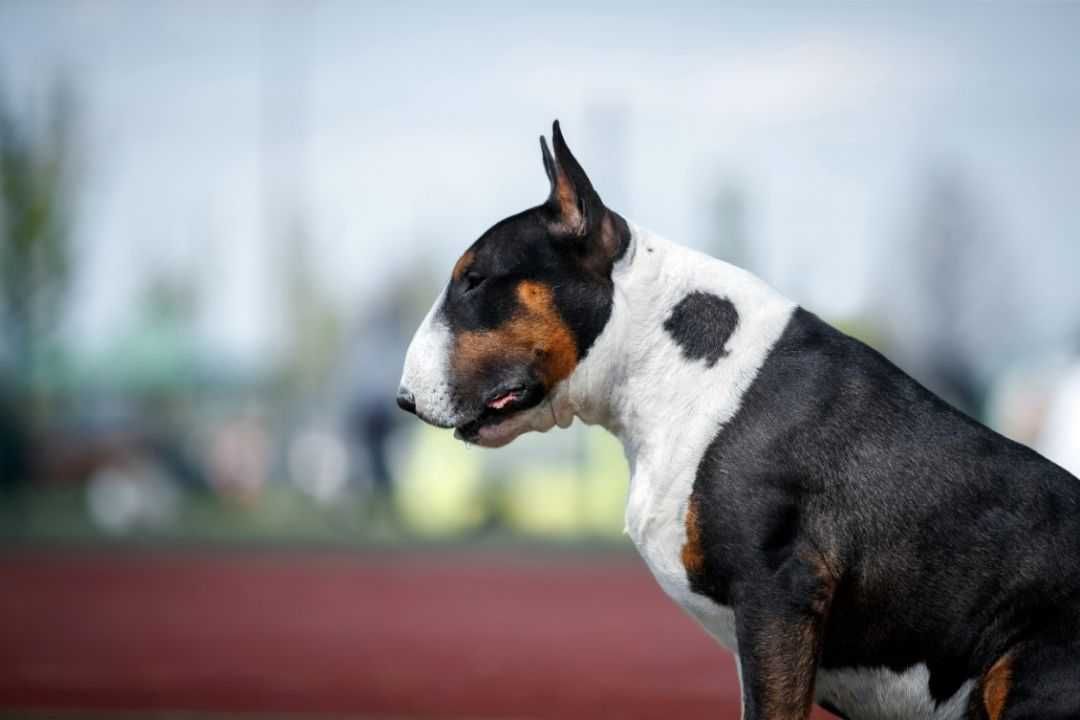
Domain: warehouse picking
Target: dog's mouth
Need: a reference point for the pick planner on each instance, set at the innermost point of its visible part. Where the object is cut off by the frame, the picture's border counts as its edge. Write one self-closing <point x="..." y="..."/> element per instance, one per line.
<point x="500" y="406"/>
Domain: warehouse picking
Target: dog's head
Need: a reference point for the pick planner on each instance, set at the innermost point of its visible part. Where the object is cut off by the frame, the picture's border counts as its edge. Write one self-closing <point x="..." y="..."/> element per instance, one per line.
<point x="521" y="309"/>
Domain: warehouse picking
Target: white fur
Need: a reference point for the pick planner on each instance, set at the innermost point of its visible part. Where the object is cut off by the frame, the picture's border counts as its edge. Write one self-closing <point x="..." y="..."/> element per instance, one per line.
<point x="666" y="408"/>
<point x="881" y="694"/>
<point x="427" y="369"/>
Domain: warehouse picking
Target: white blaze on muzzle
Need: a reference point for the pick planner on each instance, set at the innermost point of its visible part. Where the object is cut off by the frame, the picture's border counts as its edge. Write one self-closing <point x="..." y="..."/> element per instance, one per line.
<point x="426" y="376"/>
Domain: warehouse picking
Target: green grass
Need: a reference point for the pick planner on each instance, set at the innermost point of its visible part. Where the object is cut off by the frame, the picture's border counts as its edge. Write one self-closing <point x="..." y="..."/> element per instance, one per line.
<point x="60" y="515"/>
<point x="282" y="519"/>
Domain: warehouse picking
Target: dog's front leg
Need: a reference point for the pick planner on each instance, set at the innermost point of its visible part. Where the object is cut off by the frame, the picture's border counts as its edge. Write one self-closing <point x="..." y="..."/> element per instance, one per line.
<point x="780" y="620"/>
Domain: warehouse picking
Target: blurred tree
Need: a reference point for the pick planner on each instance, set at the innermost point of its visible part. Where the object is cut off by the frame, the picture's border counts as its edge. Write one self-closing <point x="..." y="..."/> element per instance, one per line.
<point x="36" y="165"/>
<point x="960" y="291"/>
<point x="315" y="328"/>
<point x="730" y="238"/>
<point x="35" y="210"/>
<point x="951" y="237"/>
<point x="171" y="298"/>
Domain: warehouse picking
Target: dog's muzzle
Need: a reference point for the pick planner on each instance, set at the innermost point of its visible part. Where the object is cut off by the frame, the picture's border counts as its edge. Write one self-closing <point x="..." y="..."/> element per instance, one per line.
<point x="406" y="401"/>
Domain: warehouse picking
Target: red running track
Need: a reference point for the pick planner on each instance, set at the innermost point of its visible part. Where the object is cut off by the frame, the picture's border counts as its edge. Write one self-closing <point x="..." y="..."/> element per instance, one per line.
<point x="421" y="635"/>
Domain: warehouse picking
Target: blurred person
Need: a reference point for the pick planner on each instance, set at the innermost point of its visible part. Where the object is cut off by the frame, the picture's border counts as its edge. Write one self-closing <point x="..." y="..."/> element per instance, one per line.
<point x="370" y="425"/>
<point x="1019" y="399"/>
<point x="14" y="445"/>
<point x="371" y="417"/>
<point x="239" y="459"/>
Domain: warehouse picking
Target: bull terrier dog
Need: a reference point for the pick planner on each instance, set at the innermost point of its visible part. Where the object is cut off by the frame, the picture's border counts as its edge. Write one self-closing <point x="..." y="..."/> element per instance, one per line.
<point x="852" y="538"/>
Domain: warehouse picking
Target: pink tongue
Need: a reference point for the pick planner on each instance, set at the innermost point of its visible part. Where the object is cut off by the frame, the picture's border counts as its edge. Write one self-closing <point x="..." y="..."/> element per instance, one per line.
<point x="502" y="401"/>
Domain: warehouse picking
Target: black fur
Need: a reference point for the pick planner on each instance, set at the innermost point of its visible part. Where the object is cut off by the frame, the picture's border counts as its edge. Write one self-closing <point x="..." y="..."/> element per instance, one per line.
<point x="947" y="544"/>
<point x="701" y="324"/>
<point x="850" y="517"/>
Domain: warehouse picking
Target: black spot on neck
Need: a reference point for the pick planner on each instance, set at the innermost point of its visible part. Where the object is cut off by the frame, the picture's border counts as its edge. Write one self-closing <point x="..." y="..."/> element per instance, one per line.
<point x="701" y="324"/>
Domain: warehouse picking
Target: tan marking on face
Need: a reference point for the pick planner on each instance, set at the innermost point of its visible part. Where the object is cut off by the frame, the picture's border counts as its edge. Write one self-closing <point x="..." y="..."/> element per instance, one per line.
<point x="693" y="555"/>
<point x="995" y="686"/>
<point x="535" y="333"/>
<point x="462" y="265"/>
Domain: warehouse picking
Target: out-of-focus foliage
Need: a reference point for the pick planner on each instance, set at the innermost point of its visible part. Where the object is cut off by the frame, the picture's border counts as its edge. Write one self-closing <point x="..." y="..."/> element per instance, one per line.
<point x="36" y="196"/>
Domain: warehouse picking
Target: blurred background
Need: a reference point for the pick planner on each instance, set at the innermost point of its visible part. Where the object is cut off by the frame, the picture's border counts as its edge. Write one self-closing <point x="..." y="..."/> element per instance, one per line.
<point x="221" y="222"/>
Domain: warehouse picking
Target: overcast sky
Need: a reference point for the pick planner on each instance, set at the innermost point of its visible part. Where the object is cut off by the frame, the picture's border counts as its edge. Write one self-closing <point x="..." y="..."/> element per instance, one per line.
<point x="401" y="133"/>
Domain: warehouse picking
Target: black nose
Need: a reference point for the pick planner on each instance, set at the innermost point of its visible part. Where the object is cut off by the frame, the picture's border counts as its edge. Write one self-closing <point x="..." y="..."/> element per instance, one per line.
<point x="406" y="401"/>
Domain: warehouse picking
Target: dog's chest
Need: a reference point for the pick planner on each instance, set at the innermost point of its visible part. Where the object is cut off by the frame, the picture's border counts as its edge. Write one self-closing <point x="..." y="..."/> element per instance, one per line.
<point x="657" y="525"/>
<point x="693" y="386"/>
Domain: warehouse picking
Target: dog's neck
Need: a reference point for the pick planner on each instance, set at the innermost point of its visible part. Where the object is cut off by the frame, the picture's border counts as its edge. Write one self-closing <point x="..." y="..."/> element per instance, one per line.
<point x="637" y="382"/>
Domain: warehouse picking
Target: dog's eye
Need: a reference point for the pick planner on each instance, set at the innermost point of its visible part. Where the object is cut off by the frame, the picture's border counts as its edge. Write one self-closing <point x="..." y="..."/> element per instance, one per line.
<point x="473" y="281"/>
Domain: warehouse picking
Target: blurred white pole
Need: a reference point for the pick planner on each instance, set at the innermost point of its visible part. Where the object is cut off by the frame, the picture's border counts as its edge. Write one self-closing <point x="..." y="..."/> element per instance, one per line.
<point x="1060" y="439"/>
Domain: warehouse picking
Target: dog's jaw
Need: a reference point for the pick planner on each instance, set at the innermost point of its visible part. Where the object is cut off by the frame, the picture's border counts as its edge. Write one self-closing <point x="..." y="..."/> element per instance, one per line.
<point x="536" y="419"/>
<point x="557" y="410"/>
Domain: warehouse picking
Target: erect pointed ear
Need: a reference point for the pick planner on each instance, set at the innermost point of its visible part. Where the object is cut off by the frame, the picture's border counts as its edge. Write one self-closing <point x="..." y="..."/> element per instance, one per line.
<point x="549" y="164"/>
<point x="576" y="205"/>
